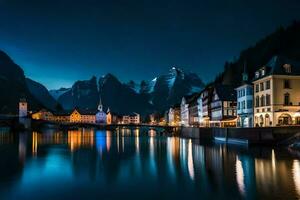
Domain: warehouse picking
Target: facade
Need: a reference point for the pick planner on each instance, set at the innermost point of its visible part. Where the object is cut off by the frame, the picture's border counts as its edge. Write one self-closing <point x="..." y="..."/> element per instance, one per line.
<point x="223" y="107"/>
<point x="200" y="110"/>
<point x="111" y="118"/>
<point x="131" y="119"/>
<point x="23" y="108"/>
<point x="277" y="93"/>
<point x="82" y="116"/>
<point x="174" y="115"/>
<point x="184" y="111"/>
<point x="206" y="98"/>
<point x="43" y="115"/>
<point x="245" y="103"/>
<point x="193" y="110"/>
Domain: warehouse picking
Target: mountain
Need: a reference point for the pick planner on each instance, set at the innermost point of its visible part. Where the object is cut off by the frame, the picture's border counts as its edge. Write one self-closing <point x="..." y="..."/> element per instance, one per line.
<point x="122" y="98"/>
<point x="13" y="87"/>
<point x="143" y="98"/>
<point x="57" y="93"/>
<point x="283" y="42"/>
<point x="41" y="94"/>
<point x="168" y="89"/>
<point x="83" y="94"/>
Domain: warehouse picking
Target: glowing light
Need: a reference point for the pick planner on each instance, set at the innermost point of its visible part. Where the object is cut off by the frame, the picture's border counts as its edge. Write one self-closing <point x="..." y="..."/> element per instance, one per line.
<point x="34" y="143"/>
<point x="190" y="160"/>
<point x="296" y="175"/>
<point x="240" y="176"/>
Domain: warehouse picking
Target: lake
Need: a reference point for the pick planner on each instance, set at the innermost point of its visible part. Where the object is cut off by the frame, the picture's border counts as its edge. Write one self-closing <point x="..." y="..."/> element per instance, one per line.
<point x="136" y="164"/>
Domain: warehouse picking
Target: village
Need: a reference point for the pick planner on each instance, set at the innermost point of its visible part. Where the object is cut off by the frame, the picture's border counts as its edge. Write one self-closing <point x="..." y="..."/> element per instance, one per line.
<point x="272" y="98"/>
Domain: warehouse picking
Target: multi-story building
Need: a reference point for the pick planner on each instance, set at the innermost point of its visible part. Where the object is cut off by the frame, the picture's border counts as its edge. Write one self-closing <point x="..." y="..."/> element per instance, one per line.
<point x="174" y="115"/>
<point x="43" y="114"/>
<point x="206" y="98"/>
<point x="245" y="102"/>
<point x="193" y="110"/>
<point x="111" y="117"/>
<point x="133" y="118"/>
<point x="83" y="116"/>
<point x="223" y="106"/>
<point x="184" y="111"/>
<point x="277" y="93"/>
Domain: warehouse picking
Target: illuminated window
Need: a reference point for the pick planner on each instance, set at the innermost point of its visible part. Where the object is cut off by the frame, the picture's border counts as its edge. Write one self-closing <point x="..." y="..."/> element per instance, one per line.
<point x="287" y="68"/>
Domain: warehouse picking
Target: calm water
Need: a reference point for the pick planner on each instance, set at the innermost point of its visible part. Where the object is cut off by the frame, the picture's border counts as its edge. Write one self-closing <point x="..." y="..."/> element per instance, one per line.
<point x="87" y="164"/>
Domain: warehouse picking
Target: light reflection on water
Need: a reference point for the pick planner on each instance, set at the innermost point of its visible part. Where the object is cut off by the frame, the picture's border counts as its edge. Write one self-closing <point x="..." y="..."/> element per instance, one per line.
<point x="134" y="163"/>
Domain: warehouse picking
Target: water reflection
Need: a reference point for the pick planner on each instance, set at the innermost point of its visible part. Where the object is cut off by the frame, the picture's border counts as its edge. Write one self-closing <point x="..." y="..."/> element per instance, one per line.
<point x="94" y="162"/>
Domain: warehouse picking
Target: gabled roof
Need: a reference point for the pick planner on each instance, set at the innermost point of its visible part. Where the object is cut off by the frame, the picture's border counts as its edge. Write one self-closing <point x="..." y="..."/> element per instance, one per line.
<point x="86" y="111"/>
<point x="225" y="92"/>
<point x="275" y="67"/>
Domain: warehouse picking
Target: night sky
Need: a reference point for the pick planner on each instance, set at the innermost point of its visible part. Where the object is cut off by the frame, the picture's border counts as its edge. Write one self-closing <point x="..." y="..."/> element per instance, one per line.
<point x="57" y="42"/>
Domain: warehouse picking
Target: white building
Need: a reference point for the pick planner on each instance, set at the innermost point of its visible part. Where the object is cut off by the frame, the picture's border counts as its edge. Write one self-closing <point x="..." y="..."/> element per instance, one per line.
<point x="277" y="93"/>
<point x="200" y="110"/>
<point x="131" y="119"/>
<point x="184" y="111"/>
<point x="245" y="103"/>
<point x="23" y="108"/>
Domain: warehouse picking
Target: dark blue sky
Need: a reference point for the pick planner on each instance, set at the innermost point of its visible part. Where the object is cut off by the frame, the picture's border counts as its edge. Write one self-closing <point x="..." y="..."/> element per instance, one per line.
<point x="57" y="42"/>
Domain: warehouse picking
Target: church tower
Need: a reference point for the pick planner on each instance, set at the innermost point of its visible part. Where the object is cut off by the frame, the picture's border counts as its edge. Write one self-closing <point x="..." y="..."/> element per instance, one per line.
<point x="23" y="108"/>
<point x="245" y="74"/>
<point x="100" y="106"/>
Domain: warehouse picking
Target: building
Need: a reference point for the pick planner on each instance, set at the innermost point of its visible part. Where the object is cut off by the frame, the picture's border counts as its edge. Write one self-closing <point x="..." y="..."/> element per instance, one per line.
<point x="83" y="116"/>
<point x="101" y="115"/>
<point x="277" y="93"/>
<point x="174" y="115"/>
<point x="206" y="98"/>
<point x="23" y="108"/>
<point x="43" y="114"/>
<point x="133" y="118"/>
<point x="184" y="111"/>
<point x="223" y="106"/>
<point x="193" y="110"/>
<point x="112" y="118"/>
<point x="245" y="102"/>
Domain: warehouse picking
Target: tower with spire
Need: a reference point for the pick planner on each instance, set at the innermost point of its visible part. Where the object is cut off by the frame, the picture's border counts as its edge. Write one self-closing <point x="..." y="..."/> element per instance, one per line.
<point x="245" y="101"/>
<point x="100" y="115"/>
<point x="100" y="106"/>
<point x="245" y="73"/>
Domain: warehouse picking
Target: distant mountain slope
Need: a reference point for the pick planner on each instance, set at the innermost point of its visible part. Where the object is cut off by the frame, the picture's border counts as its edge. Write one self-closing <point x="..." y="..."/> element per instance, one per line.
<point x="13" y="86"/>
<point x="168" y="89"/>
<point x="57" y="93"/>
<point x="83" y="94"/>
<point x="144" y="98"/>
<point x="41" y="94"/>
<point x="284" y="42"/>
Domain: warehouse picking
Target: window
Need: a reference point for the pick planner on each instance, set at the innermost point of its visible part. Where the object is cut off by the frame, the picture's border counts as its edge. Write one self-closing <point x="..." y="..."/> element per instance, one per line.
<point x="286" y="99"/>
<point x="268" y="84"/>
<point x="287" y="68"/>
<point x="256" y="74"/>
<point x="249" y="104"/>
<point x="256" y="88"/>
<point x="249" y="91"/>
<point x="287" y="84"/>
<point x="262" y="100"/>
<point x="239" y="105"/>
<point x="268" y="100"/>
<point x="257" y="101"/>
<point x="243" y="105"/>
<point x="263" y="72"/>
<point x="262" y="87"/>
